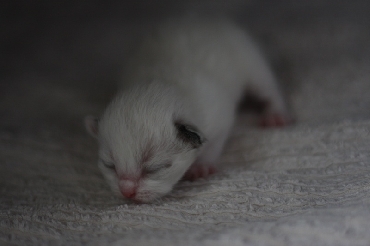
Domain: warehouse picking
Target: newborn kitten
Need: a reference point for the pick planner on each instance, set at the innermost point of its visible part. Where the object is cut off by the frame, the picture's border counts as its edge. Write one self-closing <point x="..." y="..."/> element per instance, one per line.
<point x="177" y="104"/>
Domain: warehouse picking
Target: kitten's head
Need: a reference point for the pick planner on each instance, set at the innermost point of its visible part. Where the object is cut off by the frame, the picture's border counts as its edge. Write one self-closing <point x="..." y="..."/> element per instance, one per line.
<point x="144" y="148"/>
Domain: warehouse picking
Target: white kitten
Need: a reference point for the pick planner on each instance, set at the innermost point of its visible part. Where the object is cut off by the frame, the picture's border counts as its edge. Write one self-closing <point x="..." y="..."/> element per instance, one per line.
<point x="180" y="91"/>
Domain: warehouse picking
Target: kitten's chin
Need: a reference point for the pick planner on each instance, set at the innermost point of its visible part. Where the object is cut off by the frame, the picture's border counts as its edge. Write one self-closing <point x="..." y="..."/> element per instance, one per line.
<point x="141" y="197"/>
<point x="147" y="193"/>
<point x="147" y="197"/>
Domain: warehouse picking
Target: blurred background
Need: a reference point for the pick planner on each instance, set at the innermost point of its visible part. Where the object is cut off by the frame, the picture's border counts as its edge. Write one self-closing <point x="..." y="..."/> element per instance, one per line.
<point x="64" y="57"/>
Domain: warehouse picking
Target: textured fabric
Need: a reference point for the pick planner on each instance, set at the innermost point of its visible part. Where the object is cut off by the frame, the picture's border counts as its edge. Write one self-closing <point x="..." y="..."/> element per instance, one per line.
<point x="307" y="184"/>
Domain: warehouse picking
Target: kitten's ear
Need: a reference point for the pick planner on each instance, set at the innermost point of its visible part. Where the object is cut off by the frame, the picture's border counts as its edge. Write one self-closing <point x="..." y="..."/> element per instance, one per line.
<point x="189" y="134"/>
<point x="91" y="124"/>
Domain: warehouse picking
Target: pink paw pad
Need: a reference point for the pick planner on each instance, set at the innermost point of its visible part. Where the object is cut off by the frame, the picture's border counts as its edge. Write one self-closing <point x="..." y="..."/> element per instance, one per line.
<point x="199" y="171"/>
<point x="274" y="120"/>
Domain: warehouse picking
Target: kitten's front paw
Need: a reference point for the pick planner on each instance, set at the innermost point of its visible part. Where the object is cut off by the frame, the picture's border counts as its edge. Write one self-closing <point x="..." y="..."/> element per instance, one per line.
<point x="197" y="171"/>
<point x="275" y="120"/>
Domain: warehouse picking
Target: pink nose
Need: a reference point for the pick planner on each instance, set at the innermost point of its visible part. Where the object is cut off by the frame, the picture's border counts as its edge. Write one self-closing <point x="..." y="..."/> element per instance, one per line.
<point x="128" y="188"/>
<point x="128" y="193"/>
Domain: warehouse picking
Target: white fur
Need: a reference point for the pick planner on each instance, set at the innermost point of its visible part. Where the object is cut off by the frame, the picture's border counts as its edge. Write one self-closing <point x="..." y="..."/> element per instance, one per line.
<point x="187" y="70"/>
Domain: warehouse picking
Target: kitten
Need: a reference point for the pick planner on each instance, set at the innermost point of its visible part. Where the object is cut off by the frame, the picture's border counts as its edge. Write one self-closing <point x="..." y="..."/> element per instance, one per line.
<point x="177" y="105"/>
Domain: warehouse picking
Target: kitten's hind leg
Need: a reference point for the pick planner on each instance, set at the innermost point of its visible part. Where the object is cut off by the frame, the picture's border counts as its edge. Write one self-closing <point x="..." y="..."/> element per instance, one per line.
<point x="263" y="95"/>
<point x="268" y="114"/>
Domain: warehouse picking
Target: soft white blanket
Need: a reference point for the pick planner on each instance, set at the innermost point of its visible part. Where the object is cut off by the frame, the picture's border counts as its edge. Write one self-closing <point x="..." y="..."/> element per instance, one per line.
<point x="307" y="184"/>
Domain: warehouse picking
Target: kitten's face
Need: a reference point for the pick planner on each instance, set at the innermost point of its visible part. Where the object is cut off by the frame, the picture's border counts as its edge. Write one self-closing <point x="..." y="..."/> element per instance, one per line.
<point x="147" y="164"/>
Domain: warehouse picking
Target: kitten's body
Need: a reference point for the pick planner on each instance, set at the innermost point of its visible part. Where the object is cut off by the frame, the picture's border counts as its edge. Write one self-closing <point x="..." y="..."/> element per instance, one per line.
<point x="178" y="101"/>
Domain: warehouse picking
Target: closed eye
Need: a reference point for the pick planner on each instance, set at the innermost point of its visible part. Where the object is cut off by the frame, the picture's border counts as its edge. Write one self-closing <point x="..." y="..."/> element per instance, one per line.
<point x="108" y="164"/>
<point x="156" y="168"/>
